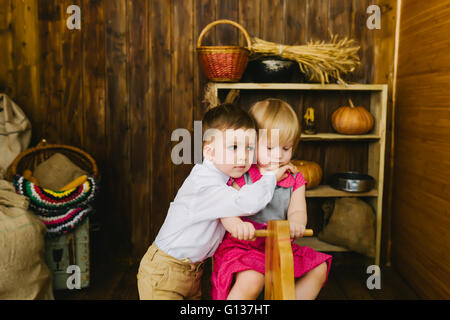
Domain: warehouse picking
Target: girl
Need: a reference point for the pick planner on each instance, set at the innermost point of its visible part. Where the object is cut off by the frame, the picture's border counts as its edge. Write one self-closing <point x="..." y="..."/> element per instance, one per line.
<point x="244" y="261"/>
<point x="172" y="267"/>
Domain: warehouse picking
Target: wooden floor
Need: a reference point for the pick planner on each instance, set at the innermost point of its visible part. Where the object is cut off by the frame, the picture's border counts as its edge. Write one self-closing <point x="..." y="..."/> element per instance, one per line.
<point x="346" y="281"/>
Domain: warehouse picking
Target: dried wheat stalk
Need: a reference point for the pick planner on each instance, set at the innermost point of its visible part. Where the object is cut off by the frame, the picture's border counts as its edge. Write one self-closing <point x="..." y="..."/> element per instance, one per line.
<point x="322" y="60"/>
<point x="212" y="100"/>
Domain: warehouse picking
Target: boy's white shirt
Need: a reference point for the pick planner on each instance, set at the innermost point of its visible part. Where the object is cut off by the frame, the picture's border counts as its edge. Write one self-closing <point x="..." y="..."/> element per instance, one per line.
<point x="192" y="228"/>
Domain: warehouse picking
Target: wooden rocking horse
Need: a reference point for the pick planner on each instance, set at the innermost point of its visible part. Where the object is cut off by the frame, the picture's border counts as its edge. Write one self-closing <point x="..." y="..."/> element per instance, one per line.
<point x="279" y="277"/>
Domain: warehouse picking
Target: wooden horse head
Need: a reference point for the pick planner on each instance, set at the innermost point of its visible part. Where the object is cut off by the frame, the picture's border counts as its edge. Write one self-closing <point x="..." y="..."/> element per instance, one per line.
<point x="279" y="277"/>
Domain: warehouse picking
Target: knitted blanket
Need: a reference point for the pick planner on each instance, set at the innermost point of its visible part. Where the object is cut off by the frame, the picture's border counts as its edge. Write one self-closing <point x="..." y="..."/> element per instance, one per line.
<point x="60" y="211"/>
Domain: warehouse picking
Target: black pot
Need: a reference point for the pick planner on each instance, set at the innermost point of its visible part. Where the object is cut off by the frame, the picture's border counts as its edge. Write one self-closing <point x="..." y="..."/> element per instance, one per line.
<point x="271" y="69"/>
<point x="351" y="181"/>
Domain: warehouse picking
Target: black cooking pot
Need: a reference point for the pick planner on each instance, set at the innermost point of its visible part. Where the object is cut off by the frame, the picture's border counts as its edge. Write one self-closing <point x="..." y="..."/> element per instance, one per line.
<point x="271" y="69"/>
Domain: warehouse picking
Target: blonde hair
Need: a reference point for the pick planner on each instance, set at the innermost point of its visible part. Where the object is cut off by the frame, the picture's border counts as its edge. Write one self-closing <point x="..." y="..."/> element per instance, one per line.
<point x="277" y="114"/>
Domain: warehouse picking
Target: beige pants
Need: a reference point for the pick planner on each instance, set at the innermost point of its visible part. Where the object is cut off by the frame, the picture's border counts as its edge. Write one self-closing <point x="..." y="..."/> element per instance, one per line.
<point x="162" y="277"/>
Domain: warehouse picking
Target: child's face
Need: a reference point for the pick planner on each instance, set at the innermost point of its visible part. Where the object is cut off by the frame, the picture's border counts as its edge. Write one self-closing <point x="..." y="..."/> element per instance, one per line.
<point x="272" y="154"/>
<point x="232" y="151"/>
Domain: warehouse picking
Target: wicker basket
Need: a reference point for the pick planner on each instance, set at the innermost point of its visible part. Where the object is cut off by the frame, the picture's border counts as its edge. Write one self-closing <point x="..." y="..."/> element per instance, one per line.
<point x="74" y="247"/>
<point x="32" y="157"/>
<point x="223" y="63"/>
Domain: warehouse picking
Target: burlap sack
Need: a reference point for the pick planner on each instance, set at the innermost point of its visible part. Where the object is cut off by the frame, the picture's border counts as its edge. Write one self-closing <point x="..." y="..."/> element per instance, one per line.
<point x="24" y="274"/>
<point x="351" y="224"/>
<point x="15" y="131"/>
<point x="56" y="172"/>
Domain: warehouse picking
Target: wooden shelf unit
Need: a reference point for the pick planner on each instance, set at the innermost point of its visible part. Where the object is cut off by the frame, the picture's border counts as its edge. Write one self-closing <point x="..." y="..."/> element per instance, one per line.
<point x="301" y="86"/>
<point x="325" y="191"/>
<point x="318" y="245"/>
<point x="337" y="136"/>
<point x="376" y="145"/>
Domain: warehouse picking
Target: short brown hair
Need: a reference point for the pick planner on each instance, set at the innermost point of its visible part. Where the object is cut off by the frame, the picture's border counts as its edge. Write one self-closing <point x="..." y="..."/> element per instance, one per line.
<point x="227" y="116"/>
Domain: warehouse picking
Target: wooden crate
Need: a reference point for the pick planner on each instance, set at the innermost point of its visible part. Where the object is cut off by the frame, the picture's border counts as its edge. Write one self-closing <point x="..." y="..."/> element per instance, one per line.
<point x="66" y="250"/>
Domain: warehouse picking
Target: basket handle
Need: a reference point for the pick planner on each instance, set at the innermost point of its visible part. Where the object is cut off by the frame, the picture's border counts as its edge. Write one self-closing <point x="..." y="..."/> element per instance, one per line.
<point x="42" y="143"/>
<point x="224" y="21"/>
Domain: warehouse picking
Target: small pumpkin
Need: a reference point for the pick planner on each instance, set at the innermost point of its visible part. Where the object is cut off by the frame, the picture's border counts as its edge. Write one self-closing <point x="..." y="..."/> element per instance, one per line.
<point x="352" y="120"/>
<point x="311" y="171"/>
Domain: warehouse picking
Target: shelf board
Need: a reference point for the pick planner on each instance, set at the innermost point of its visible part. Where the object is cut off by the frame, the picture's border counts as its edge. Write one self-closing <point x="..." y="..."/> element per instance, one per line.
<point x="318" y="245"/>
<point x="324" y="191"/>
<point x="337" y="136"/>
<point x="300" y="86"/>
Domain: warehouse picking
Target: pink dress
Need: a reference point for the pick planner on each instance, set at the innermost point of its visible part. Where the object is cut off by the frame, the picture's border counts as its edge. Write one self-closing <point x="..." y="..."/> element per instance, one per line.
<point x="235" y="255"/>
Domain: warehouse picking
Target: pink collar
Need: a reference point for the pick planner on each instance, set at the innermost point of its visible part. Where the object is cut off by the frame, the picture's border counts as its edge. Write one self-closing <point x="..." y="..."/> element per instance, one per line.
<point x="255" y="175"/>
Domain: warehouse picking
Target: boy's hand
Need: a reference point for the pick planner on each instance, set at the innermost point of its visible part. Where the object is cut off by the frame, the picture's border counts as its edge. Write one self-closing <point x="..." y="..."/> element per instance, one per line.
<point x="280" y="172"/>
<point x="238" y="228"/>
<point x="243" y="231"/>
<point x="295" y="169"/>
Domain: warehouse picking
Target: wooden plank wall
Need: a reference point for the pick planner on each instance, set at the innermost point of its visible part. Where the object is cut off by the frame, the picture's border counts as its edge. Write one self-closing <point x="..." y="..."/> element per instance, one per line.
<point x="421" y="198"/>
<point x="120" y="85"/>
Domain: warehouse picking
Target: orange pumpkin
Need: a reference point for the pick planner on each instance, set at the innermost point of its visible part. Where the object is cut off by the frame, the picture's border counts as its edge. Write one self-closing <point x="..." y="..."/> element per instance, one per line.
<point x="352" y="120"/>
<point x="310" y="170"/>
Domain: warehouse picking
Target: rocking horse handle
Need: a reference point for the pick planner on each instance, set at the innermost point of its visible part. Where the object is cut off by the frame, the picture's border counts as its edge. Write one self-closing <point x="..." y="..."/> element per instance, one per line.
<point x="265" y="233"/>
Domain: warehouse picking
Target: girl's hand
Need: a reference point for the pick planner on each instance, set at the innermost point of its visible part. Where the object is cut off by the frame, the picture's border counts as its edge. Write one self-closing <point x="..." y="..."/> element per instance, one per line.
<point x="297" y="229"/>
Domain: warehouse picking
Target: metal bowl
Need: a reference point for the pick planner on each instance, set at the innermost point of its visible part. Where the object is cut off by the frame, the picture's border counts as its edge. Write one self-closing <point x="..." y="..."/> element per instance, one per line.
<point x="352" y="181"/>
